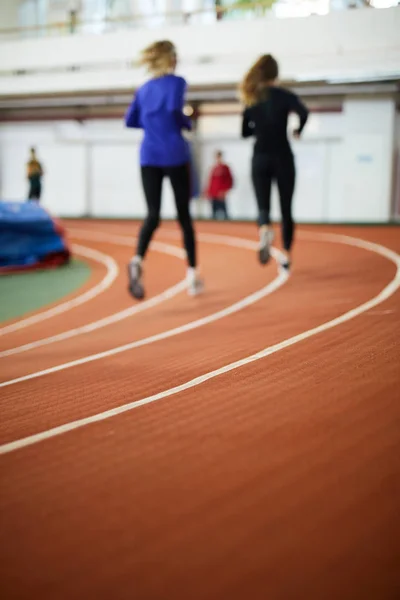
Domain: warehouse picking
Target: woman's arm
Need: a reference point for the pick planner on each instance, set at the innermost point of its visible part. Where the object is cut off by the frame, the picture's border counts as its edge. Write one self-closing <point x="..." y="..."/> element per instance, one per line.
<point x="296" y="106"/>
<point x="177" y="102"/>
<point x="132" y="116"/>
<point x="229" y="178"/>
<point x="247" y="125"/>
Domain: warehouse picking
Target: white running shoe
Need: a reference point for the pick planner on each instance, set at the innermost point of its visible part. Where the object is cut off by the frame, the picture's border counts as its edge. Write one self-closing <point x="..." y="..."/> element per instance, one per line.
<point x="196" y="287"/>
<point x="194" y="283"/>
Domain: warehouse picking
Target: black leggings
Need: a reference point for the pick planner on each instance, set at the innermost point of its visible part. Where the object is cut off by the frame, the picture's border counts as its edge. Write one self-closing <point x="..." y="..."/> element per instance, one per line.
<point x="264" y="170"/>
<point x="35" y="190"/>
<point x="219" y="206"/>
<point x="152" y="178"/>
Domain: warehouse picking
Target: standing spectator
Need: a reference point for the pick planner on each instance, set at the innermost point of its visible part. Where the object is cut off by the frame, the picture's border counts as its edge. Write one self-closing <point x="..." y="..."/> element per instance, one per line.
<point x="219" y="11"/>
<point x="73" y="11"/>
<point x="34" y="173"/>
<point x="219" y="183"/>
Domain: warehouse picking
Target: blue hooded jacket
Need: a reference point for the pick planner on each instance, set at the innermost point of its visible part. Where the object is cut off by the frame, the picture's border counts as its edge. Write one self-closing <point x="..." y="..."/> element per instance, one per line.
<point x="158" y="109"/>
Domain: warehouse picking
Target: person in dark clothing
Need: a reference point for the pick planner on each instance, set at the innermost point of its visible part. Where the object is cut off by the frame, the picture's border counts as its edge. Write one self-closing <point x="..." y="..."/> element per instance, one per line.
<point x="158" y="109"/>
<point x="34" y="173"/>
<point x="266" y="117"/>
<point x="219" y="11"/>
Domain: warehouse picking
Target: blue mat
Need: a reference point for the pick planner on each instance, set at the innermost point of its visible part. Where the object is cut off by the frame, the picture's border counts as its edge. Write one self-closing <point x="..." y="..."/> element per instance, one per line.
<point x="30" y="237"/>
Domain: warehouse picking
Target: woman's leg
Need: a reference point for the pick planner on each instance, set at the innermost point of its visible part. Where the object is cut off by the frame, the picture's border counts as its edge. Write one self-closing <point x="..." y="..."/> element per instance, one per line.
<point x="180" y="182"/>
<point x="261" y="174"/>
<point x="286" y="176"/>
<point x="152" y="178"/>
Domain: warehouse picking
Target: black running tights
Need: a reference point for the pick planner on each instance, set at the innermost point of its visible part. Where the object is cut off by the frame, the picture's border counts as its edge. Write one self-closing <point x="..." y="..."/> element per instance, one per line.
<point x="266" y="169"/>
<point x="152" y="178"/>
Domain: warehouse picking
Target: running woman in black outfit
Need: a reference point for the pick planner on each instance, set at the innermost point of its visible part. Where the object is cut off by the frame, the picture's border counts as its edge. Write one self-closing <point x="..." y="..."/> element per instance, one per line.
<point x="266" y="118"/>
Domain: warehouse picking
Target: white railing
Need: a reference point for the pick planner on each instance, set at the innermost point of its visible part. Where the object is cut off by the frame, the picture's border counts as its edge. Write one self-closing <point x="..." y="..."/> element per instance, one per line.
<point x="73" y="23"/>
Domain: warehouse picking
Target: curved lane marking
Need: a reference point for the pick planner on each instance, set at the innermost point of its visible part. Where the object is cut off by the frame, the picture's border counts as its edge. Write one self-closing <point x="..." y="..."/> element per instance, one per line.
<point x="104" y="284"/>
<point x="386" y="293"/>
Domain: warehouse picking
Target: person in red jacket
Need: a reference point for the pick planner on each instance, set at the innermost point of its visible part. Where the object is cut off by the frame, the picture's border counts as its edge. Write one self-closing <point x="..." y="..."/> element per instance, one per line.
<point x="219" y="183"/>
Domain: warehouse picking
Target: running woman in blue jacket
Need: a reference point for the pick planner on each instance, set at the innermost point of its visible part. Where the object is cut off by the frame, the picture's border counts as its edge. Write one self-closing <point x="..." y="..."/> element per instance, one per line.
<point x="157" y="108"/>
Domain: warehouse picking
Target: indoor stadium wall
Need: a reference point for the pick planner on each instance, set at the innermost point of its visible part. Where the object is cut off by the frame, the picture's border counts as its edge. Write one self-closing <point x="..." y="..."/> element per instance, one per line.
<point x="345" y="168"/>
<point x="346" y="159"/>
<point x="340" y="45"/>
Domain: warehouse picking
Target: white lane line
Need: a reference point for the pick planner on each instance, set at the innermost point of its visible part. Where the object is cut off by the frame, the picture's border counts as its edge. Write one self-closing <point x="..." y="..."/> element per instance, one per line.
<point x="388" y="291"/>
<point x="279" y="280"/>
<point x="88" y="234"/>
<point x="115" y="317"/>
<point x="124" y="240"/>
<point x="110" y="276"/>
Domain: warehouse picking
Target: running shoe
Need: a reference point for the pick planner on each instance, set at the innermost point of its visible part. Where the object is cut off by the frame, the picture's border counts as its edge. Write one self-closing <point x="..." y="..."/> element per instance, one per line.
<point x="264" y="252"/>
<point x="195" y="286"/>
<point x="135" y="280"/>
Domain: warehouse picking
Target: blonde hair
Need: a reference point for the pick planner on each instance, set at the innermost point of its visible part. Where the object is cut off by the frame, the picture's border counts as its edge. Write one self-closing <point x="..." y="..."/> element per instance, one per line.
<point x="264" y="71"/>
<point x="159" y="58"/>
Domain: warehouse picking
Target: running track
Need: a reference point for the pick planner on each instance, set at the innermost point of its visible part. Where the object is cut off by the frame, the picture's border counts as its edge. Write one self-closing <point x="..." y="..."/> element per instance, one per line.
<point x="240" y="445"/>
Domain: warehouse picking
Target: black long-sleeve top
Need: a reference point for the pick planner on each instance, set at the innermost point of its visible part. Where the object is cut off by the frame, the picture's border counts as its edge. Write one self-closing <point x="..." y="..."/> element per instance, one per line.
<point x="267" y="121"/>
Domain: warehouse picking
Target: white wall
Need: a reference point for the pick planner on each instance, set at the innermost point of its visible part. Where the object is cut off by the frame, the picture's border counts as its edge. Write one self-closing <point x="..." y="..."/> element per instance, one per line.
<point x="317" y="158"/>
<point x="89" y="169"/>
<point x="64" y="164"/>
<point x="345" y="44"/>
<point x="368" y="152"/>
<point x="396" y="178"/>
<point x="344" y="165"/>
